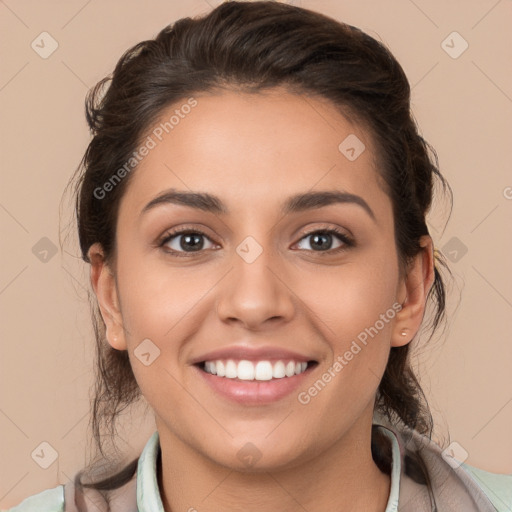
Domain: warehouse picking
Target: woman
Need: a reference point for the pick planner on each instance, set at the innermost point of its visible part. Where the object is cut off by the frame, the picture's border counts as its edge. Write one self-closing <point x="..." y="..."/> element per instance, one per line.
<point x="252" y="205"/>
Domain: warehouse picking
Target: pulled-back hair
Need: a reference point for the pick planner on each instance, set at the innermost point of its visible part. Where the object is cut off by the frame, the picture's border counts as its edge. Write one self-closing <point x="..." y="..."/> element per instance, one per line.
<point x="250" y="47"/>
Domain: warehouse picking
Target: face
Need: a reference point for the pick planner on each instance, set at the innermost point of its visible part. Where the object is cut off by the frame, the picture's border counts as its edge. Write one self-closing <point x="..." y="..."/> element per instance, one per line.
<point x="285" y="261"/>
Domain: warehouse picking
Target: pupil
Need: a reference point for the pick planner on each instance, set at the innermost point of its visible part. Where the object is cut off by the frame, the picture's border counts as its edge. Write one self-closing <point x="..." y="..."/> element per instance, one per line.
<point x="192" y="241"/>
<point x="317" y="240"/>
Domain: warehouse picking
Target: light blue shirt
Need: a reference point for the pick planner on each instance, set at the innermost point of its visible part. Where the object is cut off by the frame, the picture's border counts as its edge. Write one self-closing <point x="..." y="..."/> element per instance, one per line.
<point x="486" y="491"/>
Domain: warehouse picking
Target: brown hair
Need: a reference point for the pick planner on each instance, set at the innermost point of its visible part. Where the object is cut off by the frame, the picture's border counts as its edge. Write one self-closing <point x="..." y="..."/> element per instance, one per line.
<point x="252" y="46"/>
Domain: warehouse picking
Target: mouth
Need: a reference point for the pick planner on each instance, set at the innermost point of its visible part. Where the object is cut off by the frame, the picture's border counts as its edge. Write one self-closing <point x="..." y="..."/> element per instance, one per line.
<point x="254" y="382"/>
<point x="263" y="370"/>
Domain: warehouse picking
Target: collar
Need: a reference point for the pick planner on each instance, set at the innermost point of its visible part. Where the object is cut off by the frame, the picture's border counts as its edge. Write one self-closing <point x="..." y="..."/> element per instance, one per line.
<point x="148" y="493"/>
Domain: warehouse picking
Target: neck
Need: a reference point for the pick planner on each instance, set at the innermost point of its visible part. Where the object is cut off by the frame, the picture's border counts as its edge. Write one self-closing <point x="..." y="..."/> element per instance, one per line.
<point x="344" y="477"/>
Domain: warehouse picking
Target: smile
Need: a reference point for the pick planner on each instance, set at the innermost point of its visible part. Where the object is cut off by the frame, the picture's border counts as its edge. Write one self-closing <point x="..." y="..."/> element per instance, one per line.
<point x="254" y="370"/>
<point x="254" y="383"/>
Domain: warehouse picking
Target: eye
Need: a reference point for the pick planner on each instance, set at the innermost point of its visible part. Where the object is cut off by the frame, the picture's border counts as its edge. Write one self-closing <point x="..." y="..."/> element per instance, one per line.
<point x="322" y="241"/>
<point x="186" y="241"/>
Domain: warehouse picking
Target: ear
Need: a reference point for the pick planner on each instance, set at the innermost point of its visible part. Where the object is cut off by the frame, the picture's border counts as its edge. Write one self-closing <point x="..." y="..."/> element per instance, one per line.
<point x="413" y="292"/>
<point x="104" y="284"/>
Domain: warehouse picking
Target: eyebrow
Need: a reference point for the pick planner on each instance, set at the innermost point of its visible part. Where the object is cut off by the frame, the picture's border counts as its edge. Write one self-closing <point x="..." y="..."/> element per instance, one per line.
<point x="294" y="204"/>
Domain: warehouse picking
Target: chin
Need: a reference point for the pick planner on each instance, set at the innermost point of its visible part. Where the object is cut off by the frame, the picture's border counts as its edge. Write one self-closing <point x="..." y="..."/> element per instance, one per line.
<point x="258" y="455"/>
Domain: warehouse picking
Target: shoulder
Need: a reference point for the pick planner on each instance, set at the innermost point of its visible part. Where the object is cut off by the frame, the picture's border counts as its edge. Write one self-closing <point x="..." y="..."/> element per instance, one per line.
<point x="497" y="487"/>
<point x="50" y="500"/>
<point x="455" y="483"/>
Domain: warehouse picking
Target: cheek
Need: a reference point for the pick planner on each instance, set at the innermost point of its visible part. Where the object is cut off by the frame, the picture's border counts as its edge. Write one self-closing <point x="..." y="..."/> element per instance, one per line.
<point x="163" y="308"/>
<point x="356" y="322"/>
<point x="156" y="298"/>
<point x="355" y="309"/>
<point x="160" y="309"/>
<point x="352" y="298"/>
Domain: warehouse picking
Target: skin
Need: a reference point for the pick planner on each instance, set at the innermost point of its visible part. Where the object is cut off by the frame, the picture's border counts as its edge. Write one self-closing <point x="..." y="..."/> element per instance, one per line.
<point x="253" y="151"/>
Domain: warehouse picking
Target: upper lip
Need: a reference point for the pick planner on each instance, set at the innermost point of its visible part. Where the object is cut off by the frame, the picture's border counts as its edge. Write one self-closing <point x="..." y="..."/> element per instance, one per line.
<point x="240" y="352"/>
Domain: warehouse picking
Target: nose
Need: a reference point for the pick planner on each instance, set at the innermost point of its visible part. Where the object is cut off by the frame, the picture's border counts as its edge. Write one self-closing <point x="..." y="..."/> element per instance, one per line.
<point x="255" y="294"/>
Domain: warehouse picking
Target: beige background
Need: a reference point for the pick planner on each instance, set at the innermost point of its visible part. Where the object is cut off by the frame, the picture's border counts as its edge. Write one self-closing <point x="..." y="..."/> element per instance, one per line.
<point x="463" y="106"/>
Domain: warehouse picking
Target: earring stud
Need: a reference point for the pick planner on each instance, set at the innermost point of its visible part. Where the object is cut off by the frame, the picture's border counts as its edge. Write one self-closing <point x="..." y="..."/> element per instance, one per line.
<point x="404" y="332"/>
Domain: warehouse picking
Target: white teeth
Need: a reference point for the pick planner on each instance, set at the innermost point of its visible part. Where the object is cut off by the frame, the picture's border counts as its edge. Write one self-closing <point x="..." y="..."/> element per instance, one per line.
<point x="210" y="367"/>
<point x="248" y="370"/>
<point x="221" y="370"/>
<point x="231" y="370"/>
<point x="263" y="370"/>
<point x="245" y="370"/>
<point x="278" y="370"/>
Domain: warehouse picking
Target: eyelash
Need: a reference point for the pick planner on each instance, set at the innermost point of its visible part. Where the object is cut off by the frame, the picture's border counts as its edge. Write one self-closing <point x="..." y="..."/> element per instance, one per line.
<point x="347" y="241"/>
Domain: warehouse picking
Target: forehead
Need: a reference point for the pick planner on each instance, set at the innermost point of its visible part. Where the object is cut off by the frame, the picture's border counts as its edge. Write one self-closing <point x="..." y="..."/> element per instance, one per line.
<point x="255" y="147"/>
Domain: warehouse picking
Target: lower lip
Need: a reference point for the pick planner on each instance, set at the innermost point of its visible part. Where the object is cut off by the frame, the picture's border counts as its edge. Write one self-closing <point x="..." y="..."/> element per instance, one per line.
<point x="254" y="392"/>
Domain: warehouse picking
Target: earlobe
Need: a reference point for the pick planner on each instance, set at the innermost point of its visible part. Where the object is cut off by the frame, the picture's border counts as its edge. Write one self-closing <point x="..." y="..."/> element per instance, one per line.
<point x="416" y="287"/>
<point x="104" y="285"/>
